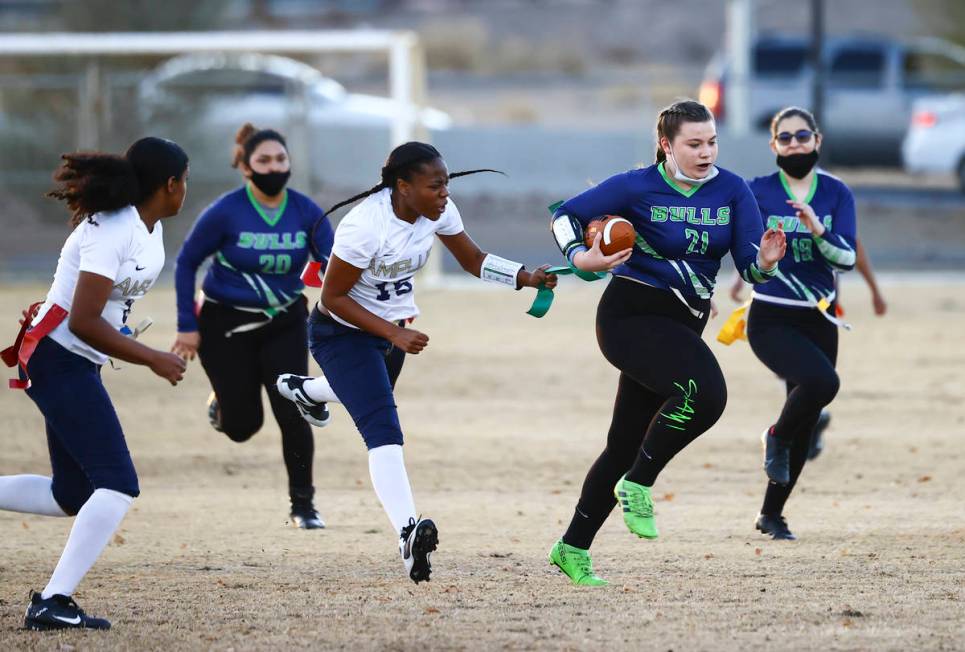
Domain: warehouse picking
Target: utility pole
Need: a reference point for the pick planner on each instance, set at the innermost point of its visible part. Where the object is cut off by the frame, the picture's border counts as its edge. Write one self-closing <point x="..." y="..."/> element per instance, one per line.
<point x="738" y="40"/>
<point x="817" y="60"/>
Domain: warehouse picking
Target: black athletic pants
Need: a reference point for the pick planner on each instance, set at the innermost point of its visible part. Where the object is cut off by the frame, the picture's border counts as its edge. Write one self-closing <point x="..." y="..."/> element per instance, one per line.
<point x="240" y="364"/>
<point x="800" y="346"/>
<point x="671" y="390"/>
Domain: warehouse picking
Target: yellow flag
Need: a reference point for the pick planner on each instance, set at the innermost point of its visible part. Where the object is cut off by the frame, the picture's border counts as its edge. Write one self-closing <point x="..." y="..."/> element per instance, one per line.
<point x="733" y="328"/>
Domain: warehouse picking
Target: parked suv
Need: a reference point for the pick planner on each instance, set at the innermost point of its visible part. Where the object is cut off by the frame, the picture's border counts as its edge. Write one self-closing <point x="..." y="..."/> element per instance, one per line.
<point x="936" y="138"/>
<point x="870" y="83"/>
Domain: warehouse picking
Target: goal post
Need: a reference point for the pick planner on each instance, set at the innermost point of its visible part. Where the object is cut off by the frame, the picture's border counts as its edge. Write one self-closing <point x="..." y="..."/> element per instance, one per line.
<point x="404" y="55"/>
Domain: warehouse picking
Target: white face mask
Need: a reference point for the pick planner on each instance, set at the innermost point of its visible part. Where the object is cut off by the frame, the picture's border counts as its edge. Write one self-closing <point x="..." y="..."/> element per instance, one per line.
<point x="680" y="176"/>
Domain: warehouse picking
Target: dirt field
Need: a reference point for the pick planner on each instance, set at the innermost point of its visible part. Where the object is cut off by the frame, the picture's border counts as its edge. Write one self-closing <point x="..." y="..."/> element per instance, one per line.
<point x="498" y="441"/>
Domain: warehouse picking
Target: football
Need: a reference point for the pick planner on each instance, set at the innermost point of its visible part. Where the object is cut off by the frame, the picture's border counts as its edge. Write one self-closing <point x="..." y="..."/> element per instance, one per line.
<point x="618" y="234"/>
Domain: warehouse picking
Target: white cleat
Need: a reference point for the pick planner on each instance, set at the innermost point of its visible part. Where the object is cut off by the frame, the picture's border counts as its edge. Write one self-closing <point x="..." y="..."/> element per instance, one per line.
<point x="292" y="387"/>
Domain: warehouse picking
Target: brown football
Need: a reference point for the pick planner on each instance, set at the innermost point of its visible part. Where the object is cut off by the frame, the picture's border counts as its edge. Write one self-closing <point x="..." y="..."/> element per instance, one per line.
<point x="618" y="234"/>
<point x="591" y="230"/>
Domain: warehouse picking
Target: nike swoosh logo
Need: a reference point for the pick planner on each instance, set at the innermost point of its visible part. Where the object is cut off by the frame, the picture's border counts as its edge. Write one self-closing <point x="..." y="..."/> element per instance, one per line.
<point x="139" y="269"/>
<point x="70" y="621"/>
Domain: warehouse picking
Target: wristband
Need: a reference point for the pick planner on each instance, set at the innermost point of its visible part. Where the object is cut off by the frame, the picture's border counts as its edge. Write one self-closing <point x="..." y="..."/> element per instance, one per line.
<point x="499" y="270"/>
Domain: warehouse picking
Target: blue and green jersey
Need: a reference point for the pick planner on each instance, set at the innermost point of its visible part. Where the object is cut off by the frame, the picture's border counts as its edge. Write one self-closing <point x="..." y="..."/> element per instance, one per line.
<point x="258" y="252"/>
<point x="681" y="234"/>
<point x="806" y="272"/>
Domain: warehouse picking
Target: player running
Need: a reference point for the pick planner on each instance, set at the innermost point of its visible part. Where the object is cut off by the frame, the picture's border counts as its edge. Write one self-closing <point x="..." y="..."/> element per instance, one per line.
<point x="792" y="327"/>
<point x="109" y="261"/>
<point x="688" y="214"/>
<point x="358" y="333"/>
<point x="251" y="322"/>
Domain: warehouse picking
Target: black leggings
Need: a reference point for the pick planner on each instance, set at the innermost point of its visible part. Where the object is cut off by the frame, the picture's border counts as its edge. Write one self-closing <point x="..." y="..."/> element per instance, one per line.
<point x="671" y="390"/>
<point x="238" y="365"/>
<point x="800" y="346"/>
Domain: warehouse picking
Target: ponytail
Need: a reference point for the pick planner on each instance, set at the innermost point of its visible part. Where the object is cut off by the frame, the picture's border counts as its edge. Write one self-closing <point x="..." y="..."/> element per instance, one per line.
<point x="247" y="140"/>
<point x="402" y="162"/>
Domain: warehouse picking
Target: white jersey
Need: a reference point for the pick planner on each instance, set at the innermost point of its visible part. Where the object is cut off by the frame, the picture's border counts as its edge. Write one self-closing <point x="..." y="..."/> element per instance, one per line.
<point x="390" y="251"/>
<point x="113" y="244"/>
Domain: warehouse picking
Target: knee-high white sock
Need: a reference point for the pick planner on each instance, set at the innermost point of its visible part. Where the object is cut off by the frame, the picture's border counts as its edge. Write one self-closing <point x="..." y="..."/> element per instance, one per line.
<point x="93" y="527"/>
<point x="319" y="389"/>
<point x="391" y="483"/>
<point x="29" y="494"/>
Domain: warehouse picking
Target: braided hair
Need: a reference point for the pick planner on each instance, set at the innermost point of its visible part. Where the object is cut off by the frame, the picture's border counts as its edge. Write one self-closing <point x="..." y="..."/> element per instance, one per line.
<point x="91" y="182"/>
<point x="671" y="118"/>
<point x="402" y="162"/>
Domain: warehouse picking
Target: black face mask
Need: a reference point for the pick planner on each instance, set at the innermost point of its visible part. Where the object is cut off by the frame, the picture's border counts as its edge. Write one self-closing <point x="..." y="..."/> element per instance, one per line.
<point x="271" y="183"/>
<point x="798" y="165"/>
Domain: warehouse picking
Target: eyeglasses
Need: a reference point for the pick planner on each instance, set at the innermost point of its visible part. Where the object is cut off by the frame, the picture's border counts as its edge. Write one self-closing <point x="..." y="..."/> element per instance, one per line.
<point x="802" y="136"/>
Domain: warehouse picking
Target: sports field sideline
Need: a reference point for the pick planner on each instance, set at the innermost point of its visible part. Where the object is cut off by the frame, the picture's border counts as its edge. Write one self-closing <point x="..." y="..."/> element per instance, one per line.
<point x="503" y="414"/>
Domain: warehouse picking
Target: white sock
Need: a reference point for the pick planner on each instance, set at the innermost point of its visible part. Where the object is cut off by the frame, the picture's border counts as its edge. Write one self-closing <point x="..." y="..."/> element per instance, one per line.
<point x="93" y="527"/>
<point x="391" y="482"/>
<point x="29" y="494"/>
<point x="319" y="389"/>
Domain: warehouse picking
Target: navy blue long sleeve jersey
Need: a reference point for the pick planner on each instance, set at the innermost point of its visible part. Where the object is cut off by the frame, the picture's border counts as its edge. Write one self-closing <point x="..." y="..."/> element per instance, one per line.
<point x="259" y="255"/>
<point x="681" y="234"/>
<point x="806" y="273"/>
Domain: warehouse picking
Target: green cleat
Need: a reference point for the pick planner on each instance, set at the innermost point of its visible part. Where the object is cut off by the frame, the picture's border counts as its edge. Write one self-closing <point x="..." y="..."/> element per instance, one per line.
<point x="575" y="564"/>
<point x="637" y="507"/>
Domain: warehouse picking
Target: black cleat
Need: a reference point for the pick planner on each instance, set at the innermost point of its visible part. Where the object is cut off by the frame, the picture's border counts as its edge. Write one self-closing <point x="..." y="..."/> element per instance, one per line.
<point x="59" y="612"/>
<point x="214" y="412"/>
<point x="817" y="435"/>
<point x="777" y="458"/>
<point x="303" y="512"/>
<point x="292" y="387"/>
<point x="776" y="526"/>
<point x="417" y="541"/>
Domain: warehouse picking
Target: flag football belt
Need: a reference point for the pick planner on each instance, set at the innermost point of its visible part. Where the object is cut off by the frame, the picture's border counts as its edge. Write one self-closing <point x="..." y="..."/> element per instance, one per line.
<point x="736" y="325"/>
<point x="27" y="340"/>
<point x="270" y="313"/>
<point x="822" y="305"/>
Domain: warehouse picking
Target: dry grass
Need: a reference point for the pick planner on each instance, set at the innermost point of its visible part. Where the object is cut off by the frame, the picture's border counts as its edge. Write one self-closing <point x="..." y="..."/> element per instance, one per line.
<point x="503" y="414"/>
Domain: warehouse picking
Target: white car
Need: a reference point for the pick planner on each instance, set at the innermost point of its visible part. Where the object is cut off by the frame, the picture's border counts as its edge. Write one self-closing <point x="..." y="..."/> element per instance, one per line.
<point x="935" y="142"/>
<point x="217" y="90"/>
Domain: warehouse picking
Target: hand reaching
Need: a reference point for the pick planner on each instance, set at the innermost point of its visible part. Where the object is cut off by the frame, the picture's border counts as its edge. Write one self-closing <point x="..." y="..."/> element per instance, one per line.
<point x="538" y="277"/>
<point x="807" y="216"/>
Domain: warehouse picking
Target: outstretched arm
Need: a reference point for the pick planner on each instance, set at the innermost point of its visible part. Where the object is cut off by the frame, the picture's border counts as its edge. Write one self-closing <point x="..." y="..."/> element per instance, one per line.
<point x="493" y="268"/>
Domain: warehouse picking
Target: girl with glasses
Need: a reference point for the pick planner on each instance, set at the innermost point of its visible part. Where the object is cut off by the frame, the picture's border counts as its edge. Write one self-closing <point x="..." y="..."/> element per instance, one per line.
<point x="792" y="326"/>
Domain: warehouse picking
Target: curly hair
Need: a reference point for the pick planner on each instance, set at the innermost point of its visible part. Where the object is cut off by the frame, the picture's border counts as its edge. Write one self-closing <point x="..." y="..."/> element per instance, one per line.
<point x="92" y="182"/>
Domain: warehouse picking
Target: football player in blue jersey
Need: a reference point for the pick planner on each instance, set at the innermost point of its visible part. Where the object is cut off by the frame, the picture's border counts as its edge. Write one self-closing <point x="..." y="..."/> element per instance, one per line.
<point x="251" y="323"/>
<point x="792" y="325"/>
<point x="688" y="214"/>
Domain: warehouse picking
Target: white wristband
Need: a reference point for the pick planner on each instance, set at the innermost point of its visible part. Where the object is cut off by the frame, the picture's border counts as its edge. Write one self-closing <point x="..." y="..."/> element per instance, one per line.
<point x="499" y="270"/>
